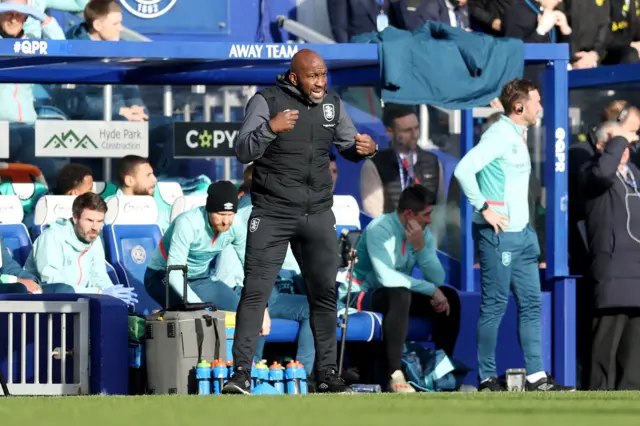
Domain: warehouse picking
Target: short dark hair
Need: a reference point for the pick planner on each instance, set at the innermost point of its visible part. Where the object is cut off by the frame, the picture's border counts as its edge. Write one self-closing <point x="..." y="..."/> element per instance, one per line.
<point x="514" y="92"/>
<point x="127" y="167"/>
<point x="394" y="111"/>
<point x="90" y="201"/>
<point x="416" y="198"/>
<point x="97" y="9"/>
<point x="70" y="177"/>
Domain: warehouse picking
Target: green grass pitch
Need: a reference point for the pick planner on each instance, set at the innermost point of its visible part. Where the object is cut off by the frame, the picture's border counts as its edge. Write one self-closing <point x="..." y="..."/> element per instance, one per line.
<point x="513" y="409"/>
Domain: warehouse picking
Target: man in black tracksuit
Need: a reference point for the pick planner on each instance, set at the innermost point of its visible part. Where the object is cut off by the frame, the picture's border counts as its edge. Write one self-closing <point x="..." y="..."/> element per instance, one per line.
<point x="288" y="131"/>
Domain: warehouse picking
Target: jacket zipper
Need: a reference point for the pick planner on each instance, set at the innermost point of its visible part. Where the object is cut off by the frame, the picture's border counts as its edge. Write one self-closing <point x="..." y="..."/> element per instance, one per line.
<point x="80" y="265"/>
<point x="310" y="164"/>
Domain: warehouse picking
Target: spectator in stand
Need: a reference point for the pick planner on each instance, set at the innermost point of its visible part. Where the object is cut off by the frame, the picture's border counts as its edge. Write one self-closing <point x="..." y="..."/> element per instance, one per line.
<point x="74" y="179"/>
<point x="350" y="18"/>
<point x="408" y="14"/>
<point x="624" y="42"/>
<point x="33" y="27"/>
<point x="17" y="100"/>
<point x="487" y="15"/>
<point x="452" y="12"/>
<point x="388" y="251"/>
<point x="103" y="22"/>
<point x="70" y="251"/>
<point x="535" y="21"/>
<point x="613" y="235"/>
<point x="589" y="21"/>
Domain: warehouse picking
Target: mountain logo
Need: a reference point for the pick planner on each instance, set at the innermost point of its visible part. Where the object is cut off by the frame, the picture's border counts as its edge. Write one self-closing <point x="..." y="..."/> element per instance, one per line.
<point x="70" y="140"/>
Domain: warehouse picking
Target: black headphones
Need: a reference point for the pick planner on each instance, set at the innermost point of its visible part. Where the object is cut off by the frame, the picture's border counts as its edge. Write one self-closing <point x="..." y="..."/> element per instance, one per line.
<point x="519" y="109"/>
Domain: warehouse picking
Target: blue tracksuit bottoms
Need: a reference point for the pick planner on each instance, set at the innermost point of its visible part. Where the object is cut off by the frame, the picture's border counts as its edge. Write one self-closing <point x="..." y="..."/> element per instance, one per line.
<point x="508" y="261"/>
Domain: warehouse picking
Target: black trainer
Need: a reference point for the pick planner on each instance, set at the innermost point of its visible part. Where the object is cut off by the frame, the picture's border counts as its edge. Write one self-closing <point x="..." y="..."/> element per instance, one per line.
<point x="491" y="385"/>
<point x="238" y="384"/>
<point x="332" y="383"/>
<point x="547" y="384"/>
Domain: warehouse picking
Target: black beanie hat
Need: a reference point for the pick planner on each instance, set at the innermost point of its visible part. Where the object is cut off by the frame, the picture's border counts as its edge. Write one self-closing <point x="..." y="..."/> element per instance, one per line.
<point x="222" y="196"/>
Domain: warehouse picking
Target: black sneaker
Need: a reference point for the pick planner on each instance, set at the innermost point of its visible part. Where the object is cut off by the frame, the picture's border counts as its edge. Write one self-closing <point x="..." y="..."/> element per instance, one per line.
<point x="491" y="385"/>
<point x="238" y="384"/>
<point x="332" y="383"/>
<point x="547" y="384"/>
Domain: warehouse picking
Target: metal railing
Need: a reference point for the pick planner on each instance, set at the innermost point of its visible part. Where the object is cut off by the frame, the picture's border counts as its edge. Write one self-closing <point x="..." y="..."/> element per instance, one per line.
<point x="51" y="378"/>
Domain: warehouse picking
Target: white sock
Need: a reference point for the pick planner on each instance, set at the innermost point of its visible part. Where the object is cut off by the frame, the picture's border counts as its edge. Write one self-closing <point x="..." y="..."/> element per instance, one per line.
<point x="397" y="375"/>
<point x="532" y="378"/>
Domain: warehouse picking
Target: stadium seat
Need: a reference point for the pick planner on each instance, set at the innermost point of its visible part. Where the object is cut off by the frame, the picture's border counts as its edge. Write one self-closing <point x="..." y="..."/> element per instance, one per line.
<point x="131" y="234"/>
<point x="49" y="209"/>
<point x="165" y="195"/>
<point x="111" y="271"/>
<point x="347" y="213"/>
<point x="28" y="193"/>
<point x="186" y="202"/>
<point x="13" y="231"/>
<point x="105" y="189"/>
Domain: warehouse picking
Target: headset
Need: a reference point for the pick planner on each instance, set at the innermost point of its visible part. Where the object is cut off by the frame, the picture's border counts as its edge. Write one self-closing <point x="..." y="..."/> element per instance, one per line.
<point x="519" y="109"/>
<point x="624" y="113"/>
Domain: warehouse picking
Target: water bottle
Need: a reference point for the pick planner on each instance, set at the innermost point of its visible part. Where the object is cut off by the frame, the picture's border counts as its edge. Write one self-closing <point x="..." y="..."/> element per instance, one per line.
<point x="254" y="375"/>
<point x="302" y="376"/>
<point x="292" y="379"/>
<point x="276" y="377"/>
<point x="263" y="373"/>
<point x="360" y="388"/>
<point x="220" y="374"/>
<point x="230" y="367"/>
<point x="203" y="376"/>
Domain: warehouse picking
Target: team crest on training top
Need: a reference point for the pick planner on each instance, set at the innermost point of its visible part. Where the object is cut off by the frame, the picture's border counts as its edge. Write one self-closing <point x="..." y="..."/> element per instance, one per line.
<point x="148" y="9"/>
<point x="329" y="112"/>
<point x="253" y="225"/>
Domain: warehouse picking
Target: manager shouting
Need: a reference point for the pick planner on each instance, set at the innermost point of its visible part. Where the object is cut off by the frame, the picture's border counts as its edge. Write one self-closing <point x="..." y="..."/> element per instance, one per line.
<point x="288" y="131"/>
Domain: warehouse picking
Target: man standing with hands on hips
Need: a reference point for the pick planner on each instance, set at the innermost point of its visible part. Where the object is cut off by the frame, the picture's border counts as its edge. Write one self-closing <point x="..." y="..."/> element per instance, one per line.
<point x="288" y="131"/>
<point x="494" y="176"/>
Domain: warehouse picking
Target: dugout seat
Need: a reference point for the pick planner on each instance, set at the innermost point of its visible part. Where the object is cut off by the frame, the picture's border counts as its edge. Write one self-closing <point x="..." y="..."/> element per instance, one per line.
<point x="13" y="231"/>
<point x="347" y="213"/>
<point x="105" y="189"/>
<point x="187" y="202"/>
<point x="165" y="195"/>
<point x="49" y="209"/>
<point x="131" y="234"/>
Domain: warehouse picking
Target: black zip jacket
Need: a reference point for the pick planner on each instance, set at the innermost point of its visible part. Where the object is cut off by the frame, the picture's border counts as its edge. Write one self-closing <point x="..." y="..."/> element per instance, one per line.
<point x="291" y="170"/>
<point x="520" y="21"/>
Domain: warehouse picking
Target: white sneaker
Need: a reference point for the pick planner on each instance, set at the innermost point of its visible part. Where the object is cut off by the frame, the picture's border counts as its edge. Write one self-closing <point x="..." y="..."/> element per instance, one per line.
<point x="398" y="384"/>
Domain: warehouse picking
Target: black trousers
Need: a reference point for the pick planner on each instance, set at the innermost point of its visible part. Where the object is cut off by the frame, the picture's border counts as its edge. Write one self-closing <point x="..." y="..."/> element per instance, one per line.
<point x="314" y="244"/>
<point x="615" y="358"/>
<point x="397" y="304"/>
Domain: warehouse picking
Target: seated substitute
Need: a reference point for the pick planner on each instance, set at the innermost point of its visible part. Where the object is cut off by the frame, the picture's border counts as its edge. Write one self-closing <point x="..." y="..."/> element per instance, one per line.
<point x="388" y="251"/>
<point x="69" y="251"/>
<point x="194" y="239"/>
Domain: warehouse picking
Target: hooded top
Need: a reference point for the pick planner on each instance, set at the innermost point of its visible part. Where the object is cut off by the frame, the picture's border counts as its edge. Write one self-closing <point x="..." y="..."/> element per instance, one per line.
<point x="59" y="256"/>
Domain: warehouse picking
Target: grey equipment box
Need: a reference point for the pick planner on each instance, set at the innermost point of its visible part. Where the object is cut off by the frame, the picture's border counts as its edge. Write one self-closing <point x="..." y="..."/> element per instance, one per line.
<point x="178" y="338"/>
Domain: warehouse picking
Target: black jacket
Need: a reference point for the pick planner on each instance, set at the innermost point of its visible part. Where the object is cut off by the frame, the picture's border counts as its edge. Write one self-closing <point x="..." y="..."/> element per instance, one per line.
<point x="589" y="22"/>
<point x="291" y="170"/>
<point x="484" y="12"/>
<point x="521" y="20"/>
<point x="612" y="210"/>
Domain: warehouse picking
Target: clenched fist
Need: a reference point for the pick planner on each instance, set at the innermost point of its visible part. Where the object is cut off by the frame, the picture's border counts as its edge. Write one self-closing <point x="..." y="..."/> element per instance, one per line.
<point x="365" y="146"/>
<point x="284" y="121"/>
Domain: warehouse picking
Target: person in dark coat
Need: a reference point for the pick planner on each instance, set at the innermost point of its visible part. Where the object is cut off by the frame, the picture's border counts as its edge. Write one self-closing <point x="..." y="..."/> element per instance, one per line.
<point x="612" y="211"/>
